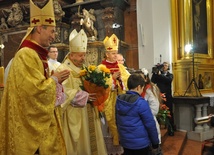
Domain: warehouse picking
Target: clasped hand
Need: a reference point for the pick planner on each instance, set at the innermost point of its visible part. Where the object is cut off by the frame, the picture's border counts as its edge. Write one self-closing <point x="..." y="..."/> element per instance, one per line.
<point x="92" y="97"/>
<point x="116" y="75"/>
<point x="62" y="75"/>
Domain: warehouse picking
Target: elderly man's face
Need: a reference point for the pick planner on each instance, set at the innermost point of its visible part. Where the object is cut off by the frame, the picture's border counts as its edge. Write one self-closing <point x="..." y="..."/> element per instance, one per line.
<point x="78" y="58"/>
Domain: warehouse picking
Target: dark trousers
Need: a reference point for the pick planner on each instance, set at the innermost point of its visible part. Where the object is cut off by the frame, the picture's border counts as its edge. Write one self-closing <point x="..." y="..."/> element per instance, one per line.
<point x="169" y="104"/>
<point x="144" y="151"/>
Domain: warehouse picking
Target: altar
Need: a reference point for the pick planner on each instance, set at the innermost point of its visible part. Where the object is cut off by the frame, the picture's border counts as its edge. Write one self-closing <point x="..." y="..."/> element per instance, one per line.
<point x="186" y="109"/>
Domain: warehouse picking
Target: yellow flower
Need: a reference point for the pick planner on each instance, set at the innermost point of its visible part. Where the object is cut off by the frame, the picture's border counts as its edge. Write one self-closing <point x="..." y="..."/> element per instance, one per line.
<point x="107" y="70"/>
<point x="91" y="67"/>
<point x="96" y="75"/>
<point x="83" y="72"/>
<point x="104" y="69"/>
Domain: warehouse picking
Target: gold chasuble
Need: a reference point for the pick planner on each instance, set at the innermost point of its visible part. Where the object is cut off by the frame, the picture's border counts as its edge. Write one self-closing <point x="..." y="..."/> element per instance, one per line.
<point x="29" y="119"/>
<point x="76" y="126"/>
<point x="117" y="87"/>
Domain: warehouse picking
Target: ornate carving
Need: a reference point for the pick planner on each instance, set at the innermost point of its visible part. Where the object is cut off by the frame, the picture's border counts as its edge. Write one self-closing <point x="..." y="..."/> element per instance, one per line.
<point x="15" y="15"/>
<point x="88" y="23"/>
<point x="3" y="25"/>
<point x="58" y="12"/>
<point x="57" y="36"/>
<point x="65" y="34"/>
<point x="75" y="22"/>
<point x="108" y="19"/>
<point x="62" y="30"/>
<point x="92" y="56"/>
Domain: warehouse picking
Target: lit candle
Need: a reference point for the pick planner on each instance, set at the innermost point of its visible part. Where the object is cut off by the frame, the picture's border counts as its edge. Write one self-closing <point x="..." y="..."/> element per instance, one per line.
<point x="1" y="76"/>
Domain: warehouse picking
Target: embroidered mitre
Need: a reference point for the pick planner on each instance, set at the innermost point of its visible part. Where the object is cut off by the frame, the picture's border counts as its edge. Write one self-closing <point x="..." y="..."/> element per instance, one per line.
<point x="38" y="17"/>
<point x="43" y="16"/>
<point x="78" y="41"/>
<point x="111" y="43"/>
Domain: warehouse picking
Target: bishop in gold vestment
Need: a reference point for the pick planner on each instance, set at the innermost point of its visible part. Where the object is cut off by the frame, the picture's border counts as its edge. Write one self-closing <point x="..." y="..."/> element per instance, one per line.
<point x="118" y="85"/>
<point x="81" y="125"/>
<point x="30" y="112"/>
<point x="29" y="118"/>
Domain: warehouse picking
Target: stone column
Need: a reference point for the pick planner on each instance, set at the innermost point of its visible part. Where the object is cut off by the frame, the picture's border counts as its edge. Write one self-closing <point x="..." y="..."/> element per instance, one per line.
<point x="198" y="127"/>
<point x="204" y="112"/>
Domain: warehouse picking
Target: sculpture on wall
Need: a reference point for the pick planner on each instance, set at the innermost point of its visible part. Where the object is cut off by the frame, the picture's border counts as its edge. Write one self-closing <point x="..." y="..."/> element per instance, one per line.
<point x="14" y="15"/>
<point x="88" y="23"/>
<point x="57" y="36"/>
<point x="65" y="34"/>
<point x="3" y="25"/>
<point x="58" y="12"/>
<point x="108" y="19"/>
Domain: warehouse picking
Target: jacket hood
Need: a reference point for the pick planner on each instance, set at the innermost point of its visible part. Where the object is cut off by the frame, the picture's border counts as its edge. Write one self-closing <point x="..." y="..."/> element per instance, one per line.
<point x="126" y="102"/>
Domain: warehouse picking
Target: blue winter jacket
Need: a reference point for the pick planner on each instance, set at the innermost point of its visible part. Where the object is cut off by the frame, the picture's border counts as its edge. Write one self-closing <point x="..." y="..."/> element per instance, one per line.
<point x="135" y="122"/>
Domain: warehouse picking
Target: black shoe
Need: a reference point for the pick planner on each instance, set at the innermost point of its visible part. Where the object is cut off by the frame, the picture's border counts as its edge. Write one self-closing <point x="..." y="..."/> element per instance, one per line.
<point x="170" y="131"/>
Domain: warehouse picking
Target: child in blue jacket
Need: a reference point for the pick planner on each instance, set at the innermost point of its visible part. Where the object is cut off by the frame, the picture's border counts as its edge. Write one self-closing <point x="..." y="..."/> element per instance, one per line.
<point x="134" y="119"/>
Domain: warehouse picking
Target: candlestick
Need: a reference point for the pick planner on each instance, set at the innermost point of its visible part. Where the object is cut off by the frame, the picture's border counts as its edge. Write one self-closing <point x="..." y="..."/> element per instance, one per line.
<point x="1" y="76"/>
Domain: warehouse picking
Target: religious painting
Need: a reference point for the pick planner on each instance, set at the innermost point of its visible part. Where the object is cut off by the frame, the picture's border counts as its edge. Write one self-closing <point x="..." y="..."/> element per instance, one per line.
<point x="199" y="12"/>
<point x="204" y="80"/>
<point x="208" y="80"/>
<point x="194" y="26"/>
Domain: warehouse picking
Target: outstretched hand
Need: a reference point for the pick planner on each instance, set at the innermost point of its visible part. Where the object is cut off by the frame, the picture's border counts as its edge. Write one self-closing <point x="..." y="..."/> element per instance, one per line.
<point x="62" y="75"/>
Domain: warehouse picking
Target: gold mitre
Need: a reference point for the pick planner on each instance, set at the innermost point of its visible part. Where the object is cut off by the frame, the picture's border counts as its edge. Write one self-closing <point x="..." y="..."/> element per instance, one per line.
<point x="44" y="16"/>
<point x="38" y="17"/>
<point x="111" y="44"/>
<point x="78" y="41"/>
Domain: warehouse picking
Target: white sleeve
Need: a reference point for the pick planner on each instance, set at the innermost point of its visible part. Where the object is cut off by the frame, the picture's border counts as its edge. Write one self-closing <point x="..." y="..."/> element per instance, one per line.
<point x="153" y="101"/>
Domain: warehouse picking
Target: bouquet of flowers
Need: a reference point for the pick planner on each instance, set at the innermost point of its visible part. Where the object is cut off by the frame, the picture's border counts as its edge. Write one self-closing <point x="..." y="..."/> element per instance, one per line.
<point x="94" y="81"/>
<point x="163" y="115"/>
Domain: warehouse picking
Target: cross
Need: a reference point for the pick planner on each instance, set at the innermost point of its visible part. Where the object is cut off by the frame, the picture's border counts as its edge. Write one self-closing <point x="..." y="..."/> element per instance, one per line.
<point x="49" y="20"/>
<point x="114" y="40"/>
<point x="109" y="48"/>
<point x="34" y="21"/>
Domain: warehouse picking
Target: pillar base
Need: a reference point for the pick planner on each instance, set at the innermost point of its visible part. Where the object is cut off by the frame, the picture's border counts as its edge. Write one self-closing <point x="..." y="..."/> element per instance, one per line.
<point x="200" y="136"/>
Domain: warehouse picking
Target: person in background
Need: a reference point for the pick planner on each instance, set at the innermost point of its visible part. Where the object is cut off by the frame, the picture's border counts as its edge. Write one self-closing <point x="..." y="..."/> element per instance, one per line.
<point x="163" y="78"/>
<point x="120" y="59"/>
<point x="52" y="61"/>
<point x="81" y="126"/>
<point x="134" y="119"/>
<point x="118" y="85"/>
<point x="30" y="106"/>
<point x="151" y="94"/>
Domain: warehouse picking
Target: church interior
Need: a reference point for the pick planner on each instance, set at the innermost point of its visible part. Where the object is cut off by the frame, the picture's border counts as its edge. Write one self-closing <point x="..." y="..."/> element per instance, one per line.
<point x="189" y="44"/>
